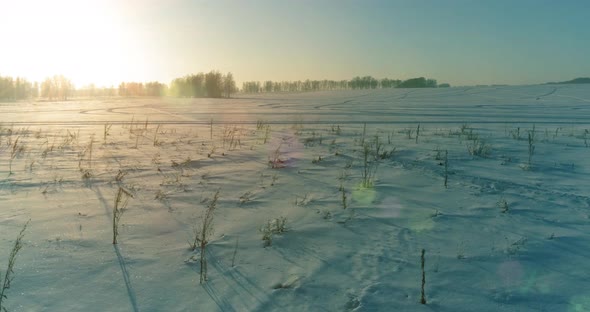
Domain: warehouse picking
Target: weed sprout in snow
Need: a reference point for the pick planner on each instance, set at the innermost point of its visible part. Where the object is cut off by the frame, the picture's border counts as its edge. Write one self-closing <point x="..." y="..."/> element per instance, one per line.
<point x="272" y="227"/>
<point x="6" y="280"/>
<point x="478" y="147"/>
<point x="275" y="160"/>
<point x="369" y="168"/>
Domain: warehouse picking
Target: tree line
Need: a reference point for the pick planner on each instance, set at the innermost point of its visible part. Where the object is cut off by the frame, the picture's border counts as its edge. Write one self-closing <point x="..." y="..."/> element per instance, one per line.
<point x="212" y="84"/>
<point x="366" y="82"/>
<point x="58" y="87"/>
<point x="153" y="88"/>
<point x="17" y="88"/>
<point x="573" y="81"/>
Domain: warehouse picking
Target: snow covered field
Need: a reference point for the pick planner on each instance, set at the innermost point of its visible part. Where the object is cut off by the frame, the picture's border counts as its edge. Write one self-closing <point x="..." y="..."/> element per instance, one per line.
<point x="510" y="232"/>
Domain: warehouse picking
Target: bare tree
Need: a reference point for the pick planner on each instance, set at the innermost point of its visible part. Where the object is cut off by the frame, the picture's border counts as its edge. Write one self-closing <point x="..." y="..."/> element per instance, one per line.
<point x="229" y="85"/>
<point x="56" y="87"/>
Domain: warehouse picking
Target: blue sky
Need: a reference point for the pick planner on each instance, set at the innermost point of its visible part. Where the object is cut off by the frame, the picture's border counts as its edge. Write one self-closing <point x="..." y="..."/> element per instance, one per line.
<point x="457" y="41"/>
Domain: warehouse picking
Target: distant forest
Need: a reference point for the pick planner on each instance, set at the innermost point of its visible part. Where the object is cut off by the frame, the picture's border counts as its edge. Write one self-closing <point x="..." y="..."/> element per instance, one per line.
<point x="576" y="80"/>
<point x="366" y="82"/>
<point x="212" y="84"/>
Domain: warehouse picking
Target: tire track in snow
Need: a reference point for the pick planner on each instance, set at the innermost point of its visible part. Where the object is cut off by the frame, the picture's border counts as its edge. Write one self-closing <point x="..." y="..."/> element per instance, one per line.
<point x="574" y="97"/>
<point x="547" y="94"/>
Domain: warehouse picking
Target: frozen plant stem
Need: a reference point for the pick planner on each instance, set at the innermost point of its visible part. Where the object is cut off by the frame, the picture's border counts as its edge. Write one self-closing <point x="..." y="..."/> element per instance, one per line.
<point x="266" y="134"/>
<point x="364" y="133"/>
<point x="131" y="124"/>
<point x="422" y="294"/>
<point x="155" y="135"/>
<point x="233" y="259"/>
<point x="446" y="167"/>
<point x="107" y="128"/>
<point x="531" y="139"/>
<point x="202" y="233"/>
<point x="90" y="151"/>
<point x="8" y="275"/>
<point x="13" y="153"/>
<point x="211" y="129"/>
<point x="120" y="204"/>
<point x="366" y="166"/>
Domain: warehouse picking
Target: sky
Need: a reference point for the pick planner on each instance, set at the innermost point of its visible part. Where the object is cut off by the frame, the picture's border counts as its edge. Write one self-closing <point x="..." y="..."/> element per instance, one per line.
<point x="460" y="42"/>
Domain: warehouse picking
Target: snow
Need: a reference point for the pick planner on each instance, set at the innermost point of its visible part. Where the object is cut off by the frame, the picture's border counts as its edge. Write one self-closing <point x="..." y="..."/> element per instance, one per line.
<point x="366" y="257"/>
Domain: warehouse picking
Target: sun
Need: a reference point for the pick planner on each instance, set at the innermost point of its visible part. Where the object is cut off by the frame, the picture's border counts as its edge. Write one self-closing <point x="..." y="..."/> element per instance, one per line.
<point x="86" y="41"/>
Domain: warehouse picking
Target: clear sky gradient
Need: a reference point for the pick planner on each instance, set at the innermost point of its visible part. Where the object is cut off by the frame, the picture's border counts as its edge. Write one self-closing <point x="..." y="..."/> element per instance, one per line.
<point x="457" y="41"/>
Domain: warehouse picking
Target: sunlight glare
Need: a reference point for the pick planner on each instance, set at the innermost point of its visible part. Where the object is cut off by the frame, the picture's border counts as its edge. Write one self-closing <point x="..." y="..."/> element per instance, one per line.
<point x="84" y="40"/>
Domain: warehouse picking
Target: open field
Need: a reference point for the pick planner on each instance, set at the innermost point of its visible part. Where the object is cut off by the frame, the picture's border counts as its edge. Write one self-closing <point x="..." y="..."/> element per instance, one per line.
<point x="346" y="188"/>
